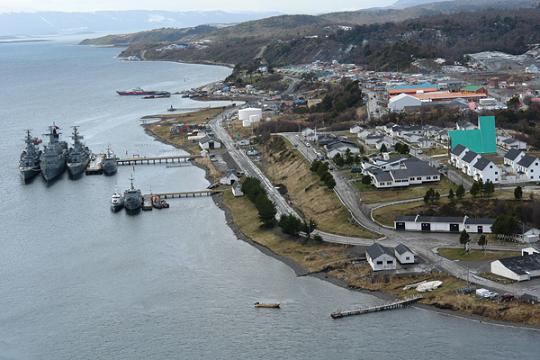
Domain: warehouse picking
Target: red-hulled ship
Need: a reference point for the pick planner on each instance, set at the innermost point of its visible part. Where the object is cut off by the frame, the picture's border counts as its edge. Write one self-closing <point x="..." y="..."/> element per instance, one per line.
<point x="136" y="91"/>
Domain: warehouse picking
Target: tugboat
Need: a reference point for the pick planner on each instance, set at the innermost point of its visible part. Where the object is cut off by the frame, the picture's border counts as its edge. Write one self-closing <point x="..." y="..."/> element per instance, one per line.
<point x="29" y="161"/>
<point x="159" y="203"/>
<point x="53" y="158"/>
<point x="110" y="165"/>
<point x="117" y="202"/>
<point x="78" y="155"/>
<point x="137" y="91"/>
<point x="133" y="199"/>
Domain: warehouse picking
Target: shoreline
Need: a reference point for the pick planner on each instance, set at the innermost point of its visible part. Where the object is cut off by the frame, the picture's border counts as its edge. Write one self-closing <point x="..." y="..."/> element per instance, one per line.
<point x="299" y="270"/>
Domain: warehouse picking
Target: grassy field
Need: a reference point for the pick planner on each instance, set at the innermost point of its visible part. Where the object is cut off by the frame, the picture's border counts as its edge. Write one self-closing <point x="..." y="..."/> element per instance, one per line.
<point x="284" y="165"/>
<point x="435" y="151"/>
<point x="313" y="257"/>
<point x="475" y="255"/>
<point x="370" y="194"/>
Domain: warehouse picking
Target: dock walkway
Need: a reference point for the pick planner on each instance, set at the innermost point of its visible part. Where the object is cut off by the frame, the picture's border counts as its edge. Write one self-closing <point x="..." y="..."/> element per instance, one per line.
<point x="390" y="306"/>
<point x="186" y="194"/>
<point x="152" y="160"/>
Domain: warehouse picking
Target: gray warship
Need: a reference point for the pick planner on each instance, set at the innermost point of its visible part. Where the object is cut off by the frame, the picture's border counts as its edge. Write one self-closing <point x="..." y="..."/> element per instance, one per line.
<point x="53" y="158"/>
<point x="78" y="156"/>
<point x="29" y="161"/>
<point x="133" y="199"/>
<point x="110" y="165"/>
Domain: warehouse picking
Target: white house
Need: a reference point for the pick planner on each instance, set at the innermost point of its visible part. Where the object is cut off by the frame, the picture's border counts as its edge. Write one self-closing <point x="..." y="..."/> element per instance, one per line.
<point x="341" y="147"/>
<point x="529" y="166"/>
<point x="511" y="143"/>
<point x="403" y="254"/>
<point x="208" y="143"/>
<point x="229" y="179"/>
<point x="457" y="153"/>
<point x="443" y="224"/>
<point x="519" y="268"/>
<point x="486" y="170"/>
<point x="402" y="174"/>
<point x="372" y="139"/>
<point x="512" y="157"/>
<point x="400" y="102"/>
<point x="380" y="258"/>
<point x="356" y="129"/>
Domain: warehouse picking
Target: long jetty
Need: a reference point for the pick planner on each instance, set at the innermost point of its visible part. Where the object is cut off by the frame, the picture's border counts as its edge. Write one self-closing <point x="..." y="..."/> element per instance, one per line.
<point x="152" y="160"/>
<point x="390" y="306"/>
<point x="186" y="194"/>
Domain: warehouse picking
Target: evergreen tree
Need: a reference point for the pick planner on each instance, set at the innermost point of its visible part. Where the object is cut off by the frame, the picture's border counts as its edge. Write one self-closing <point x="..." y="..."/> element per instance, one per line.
<point x="451" y="195"/>
<point x="464" y="239"/>
<point x="338" y="159"/>
<point x="475" y="189"/>
<point x="383" y="148"/>
<point x="482" y="241"/>
<point x="460" y="192"/>
<point x="518" y="193"/>
<point x="267" y="210"/>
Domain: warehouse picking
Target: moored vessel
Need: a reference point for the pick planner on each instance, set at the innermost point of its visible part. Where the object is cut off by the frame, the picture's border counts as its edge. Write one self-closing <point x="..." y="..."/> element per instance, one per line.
<point x="29" y="160"/>
<point x="133" y="199"/>
<point x="53" y="157"/>
<point x="110" y="164"/>
<point x="267" y="305"/>
<point x="117" y="202"/>
<point x="78" y="155"/>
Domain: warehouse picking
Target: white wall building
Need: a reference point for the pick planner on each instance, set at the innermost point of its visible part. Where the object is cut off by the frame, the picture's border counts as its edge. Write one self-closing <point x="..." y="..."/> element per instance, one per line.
<point x="249" y="116"/>
<point x="443" y="224"/>
<point x="475" y="165"/>
<point x="400" y="102"/>
<point x="404" y="255"/>
<point x="402" y="174"/>
<point x="519" y="268"/>
<point x="380" y="258"/>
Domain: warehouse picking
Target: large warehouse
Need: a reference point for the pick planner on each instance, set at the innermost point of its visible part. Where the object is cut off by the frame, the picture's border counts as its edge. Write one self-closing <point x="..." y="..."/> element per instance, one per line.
<point x="443" y="224"/>
<point x="482" y="140"/>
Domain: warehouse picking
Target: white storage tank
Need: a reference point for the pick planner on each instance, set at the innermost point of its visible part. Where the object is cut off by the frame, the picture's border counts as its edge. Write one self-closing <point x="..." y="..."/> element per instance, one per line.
<point x="250" y="114"/>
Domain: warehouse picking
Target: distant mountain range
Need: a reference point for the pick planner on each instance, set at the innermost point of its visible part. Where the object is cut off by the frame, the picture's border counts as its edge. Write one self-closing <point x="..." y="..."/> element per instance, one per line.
<point x="57" y="23"/>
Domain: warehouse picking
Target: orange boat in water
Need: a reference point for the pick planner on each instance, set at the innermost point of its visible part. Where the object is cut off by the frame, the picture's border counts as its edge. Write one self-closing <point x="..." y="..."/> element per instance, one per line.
<point x="267" y="306"/>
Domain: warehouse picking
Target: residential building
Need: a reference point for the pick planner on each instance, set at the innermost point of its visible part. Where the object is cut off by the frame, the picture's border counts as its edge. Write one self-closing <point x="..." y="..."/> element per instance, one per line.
<point x="341" y="147"/>
<point x="512" y="157"/>
<point x="529" y="166"/>
<point x="372" y="139"/>
<point x="509" y="143"/>
<point x="356" y="129"/>
<point x="209" y="143"/>
<point x="230" y="178"/>
<point x="405" y="173"/>
<point x="443" y="224"/>
<point x="412" y="89"/>
<point x="404" y="255"/>
<point x="474" y="165"/>
<point x="380" y="258"/>
<point x="518" y="268"/>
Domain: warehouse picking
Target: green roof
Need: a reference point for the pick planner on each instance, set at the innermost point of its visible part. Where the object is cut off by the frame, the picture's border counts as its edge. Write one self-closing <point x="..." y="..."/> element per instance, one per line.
<point x="482" y="140"/>
<point x="472" y="88"/>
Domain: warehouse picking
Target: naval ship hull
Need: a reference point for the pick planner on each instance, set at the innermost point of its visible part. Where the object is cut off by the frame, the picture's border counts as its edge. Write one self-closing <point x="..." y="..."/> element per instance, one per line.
<point x="76" y="169"/>
<point x="109" y="167"/>
<point x="28" y="173"/>
<point x="133" y="205"/>
<point x="51" y="172"/>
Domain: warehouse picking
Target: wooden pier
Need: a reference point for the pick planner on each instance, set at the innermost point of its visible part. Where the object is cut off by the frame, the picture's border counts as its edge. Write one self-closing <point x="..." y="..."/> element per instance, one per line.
<point x="390" y="306"/>
<point x="95" y="167"/>
<point x="186" y="194"/>
<point x="152" y="160"/>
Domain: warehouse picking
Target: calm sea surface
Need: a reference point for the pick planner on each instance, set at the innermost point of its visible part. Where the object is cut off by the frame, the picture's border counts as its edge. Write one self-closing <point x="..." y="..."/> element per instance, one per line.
<point x="77" y="282"/>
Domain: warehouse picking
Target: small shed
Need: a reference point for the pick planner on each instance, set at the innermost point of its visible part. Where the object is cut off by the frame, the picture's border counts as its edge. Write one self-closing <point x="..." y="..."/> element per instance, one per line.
<point x="404" y="255"/>
<point x="230" y="178"/>
<point x="237" y="190"/>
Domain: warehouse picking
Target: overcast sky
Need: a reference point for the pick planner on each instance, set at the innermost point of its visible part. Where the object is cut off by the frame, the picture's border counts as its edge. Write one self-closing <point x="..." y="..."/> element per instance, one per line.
<point x="287" y="6"/>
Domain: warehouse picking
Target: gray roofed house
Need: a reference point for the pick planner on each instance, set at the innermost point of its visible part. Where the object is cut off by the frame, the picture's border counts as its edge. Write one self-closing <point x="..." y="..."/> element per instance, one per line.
<point x="479" y="221"/>
<point x="377" y="250"/>
<point x="440" y="219"/>
<point x="470" y="156"/>
<point x="518" y="268"/>
<point x="512" y="154"/>
<point x="381" y="176"/>
<point x="526" y="161"/>
<point x="402" y="249"/>
<point x="458" y="150"/>
<point x="482" y="163"/>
